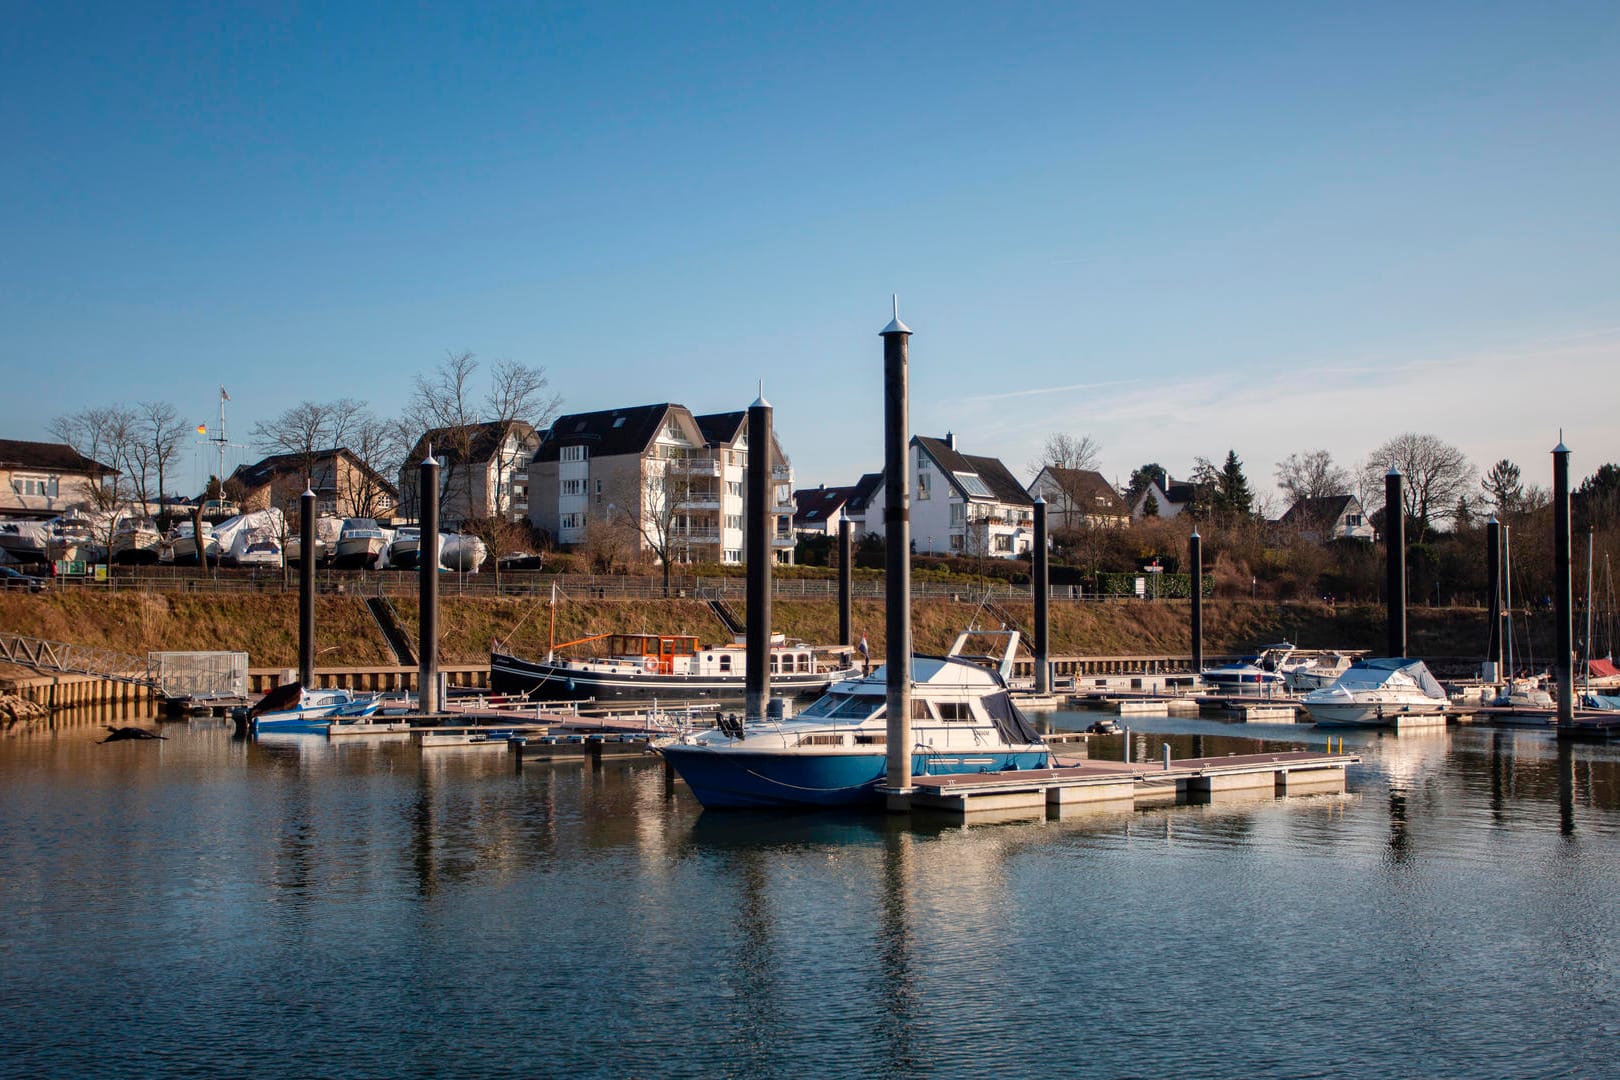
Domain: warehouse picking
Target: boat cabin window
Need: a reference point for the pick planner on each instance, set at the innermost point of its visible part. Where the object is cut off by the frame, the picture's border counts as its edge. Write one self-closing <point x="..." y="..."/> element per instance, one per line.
<point x="804" y="662"/>
<point x="774" y="663"/>
<point x="725" y="661"/>
<point x="919" y="710"/>
<point x="954" y="710"/>
<point x="844" y="707"/>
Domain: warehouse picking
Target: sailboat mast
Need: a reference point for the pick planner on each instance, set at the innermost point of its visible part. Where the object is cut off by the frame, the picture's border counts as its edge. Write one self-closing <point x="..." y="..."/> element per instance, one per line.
<point x="551" y="634"/>
<point x="220" y="474"/>
<point x="1587" y="649"/>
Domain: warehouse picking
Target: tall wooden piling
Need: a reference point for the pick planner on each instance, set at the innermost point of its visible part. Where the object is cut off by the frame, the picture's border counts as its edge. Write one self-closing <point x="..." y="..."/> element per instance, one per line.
<point x="1395" y="560"/>
<point x="1042" y="586"/>
<point x="757" y="550"/>
<point x="1493" y="575"/>
<point x="306" y="587"/>
<point x="427" y="587"/>
<point x="1563" y="598"/>
<point x="897" y="550"/>
<point x="1195" y="557"/>
<point x="846" y="531"/>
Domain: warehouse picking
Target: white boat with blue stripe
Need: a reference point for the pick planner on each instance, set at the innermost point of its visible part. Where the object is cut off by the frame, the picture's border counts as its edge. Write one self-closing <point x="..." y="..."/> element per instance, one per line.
<point x="293" y="710"/>
<point x="834" y="753"/>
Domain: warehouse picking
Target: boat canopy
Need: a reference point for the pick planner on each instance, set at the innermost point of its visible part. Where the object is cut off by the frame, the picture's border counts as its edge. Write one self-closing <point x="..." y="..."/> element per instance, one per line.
<point x="1377" y="671"/>
<point x="1010" y="721"/>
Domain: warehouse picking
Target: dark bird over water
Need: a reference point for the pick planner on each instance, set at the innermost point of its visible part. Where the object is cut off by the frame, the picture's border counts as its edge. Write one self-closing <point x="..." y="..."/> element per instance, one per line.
<point x="118" y="734"/>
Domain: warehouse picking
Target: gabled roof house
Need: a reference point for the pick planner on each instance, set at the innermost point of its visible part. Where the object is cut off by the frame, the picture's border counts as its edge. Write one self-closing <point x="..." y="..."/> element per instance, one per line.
<point x="961" y="504"/>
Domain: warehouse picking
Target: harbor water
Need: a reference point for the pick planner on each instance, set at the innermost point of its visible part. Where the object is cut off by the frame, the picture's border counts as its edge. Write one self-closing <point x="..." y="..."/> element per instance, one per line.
<point x="298" y="907"/>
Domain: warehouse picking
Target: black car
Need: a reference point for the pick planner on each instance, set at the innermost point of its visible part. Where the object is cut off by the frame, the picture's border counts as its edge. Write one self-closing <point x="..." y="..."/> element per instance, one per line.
<point x="16" y="579"/>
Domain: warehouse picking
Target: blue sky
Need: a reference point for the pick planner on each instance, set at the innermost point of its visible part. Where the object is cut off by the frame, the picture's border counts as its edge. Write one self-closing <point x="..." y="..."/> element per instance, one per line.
<point x="1178" y="228"/>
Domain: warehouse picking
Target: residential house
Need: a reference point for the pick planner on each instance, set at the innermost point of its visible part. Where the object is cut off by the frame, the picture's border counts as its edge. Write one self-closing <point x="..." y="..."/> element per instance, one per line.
<point x="1079" y="499"/>
<point x="961" y="504"/>
<point x="483" y="471"/>
<point x="859" y="508"/>
<point x="1169" y="499"/>
<point x="344" y="486"/>
<point x="668" y="475"/>
<point x="819" y="511"/>
<point x="39" y="481"/>
<point x="1332" y="517"/>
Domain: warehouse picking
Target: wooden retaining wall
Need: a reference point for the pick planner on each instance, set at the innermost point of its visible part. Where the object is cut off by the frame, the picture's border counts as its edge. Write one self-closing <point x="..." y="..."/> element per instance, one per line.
<point x="369" y="678"/>
<point x="75" y="691"/>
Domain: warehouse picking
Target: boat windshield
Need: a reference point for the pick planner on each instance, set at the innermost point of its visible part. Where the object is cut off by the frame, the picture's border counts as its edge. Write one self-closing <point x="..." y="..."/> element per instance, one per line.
<point x="844" y="707"/>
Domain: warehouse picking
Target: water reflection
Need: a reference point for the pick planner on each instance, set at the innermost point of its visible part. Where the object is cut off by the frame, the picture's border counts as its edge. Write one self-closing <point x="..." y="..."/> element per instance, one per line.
<point x="568" y="918"/>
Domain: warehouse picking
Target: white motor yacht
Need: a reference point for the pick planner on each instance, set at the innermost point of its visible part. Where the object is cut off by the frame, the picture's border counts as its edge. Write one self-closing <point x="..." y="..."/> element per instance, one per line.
<point x="1374" y="693"/>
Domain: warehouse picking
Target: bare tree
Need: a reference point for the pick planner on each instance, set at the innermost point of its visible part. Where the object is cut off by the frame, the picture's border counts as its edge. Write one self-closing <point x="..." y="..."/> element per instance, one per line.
<point x="443" y="403"/>
<point x="658" y="509"/>
<point x="1311" y="475"/>
<point x="376" y="445"/>
<point x="161" y="434"/>
<point x="106" y="436"/>
<point x="1436" y="474"/>
<point x="1064" y="451"/>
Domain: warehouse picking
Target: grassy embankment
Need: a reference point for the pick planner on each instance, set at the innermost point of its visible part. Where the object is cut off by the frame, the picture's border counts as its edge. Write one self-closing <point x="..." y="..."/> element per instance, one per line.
<point x="266" y="627"/>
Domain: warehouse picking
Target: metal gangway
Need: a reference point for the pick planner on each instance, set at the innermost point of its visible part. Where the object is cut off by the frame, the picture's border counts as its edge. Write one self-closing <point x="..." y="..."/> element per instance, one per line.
<point x="169" y="674"/>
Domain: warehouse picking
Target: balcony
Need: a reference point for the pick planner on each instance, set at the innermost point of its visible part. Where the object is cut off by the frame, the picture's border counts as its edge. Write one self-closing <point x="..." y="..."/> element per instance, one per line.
<point x="694" y="466"/>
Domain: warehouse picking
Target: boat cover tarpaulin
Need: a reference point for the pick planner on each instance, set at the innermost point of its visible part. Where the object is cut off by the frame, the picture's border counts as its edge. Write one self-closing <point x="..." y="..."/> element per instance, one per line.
<point x="1010" y="721"/>
<point x="1602" y="669"/>
<point x="1416" y="670"/>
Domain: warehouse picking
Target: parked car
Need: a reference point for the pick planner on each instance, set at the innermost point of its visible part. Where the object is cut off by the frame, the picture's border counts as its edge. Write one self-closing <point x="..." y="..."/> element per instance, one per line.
<point x="16" y="579"/>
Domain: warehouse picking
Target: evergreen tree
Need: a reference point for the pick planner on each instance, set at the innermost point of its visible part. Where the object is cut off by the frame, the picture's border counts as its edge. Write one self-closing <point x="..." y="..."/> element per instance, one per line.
<point x="1150" y="509"/>
<point x="1233" y="499"/>
<point x="1151" y="473"/>
<point x="1503" y="487"/>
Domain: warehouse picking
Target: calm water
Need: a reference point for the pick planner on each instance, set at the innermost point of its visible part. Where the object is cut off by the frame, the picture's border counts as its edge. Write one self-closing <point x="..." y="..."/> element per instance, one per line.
<point x="207" y="907"/>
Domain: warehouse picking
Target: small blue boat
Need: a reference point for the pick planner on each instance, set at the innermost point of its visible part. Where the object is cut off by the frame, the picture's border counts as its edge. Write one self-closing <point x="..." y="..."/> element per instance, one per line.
<point x="293" y="710"/>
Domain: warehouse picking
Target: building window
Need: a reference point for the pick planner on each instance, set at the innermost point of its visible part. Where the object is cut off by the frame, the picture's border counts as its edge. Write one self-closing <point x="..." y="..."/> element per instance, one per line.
<point x="733" y="555"/>
<point x="36" y="485"/>
<point x="956" y="515"/>
<point x="1352" y="521"/>
<point x="734" y="488"/>
<point x="734" y="521"/>
<point x="573" y="487"/>
<point x="573" y="453"/>
<point x="1003" y="542"/>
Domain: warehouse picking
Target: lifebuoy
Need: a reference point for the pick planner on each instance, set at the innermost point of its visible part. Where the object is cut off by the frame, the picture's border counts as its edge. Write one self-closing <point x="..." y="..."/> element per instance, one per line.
<point x="651" y="663"/>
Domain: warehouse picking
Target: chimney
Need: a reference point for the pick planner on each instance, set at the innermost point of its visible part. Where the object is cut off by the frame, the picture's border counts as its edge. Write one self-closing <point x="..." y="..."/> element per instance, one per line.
<point x="950" y="439"/>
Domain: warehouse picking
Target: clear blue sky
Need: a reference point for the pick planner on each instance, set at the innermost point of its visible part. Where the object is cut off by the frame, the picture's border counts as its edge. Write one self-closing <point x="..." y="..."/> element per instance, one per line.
<point x="1178" y="228"/>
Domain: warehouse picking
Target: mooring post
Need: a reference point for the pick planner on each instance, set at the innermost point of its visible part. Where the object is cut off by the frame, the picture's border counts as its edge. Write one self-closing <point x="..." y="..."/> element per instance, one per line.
<point x="846" y="533"/>
<point x="897" y="550"/>
<point x="1563" y="598"/>
<point x="1195" y="555"/>
<point x="757" y="550"/>
<point x="1493" y="575"/>
<point x="1395" y="560"/>
<point x="1043" y="588"/>
<point x="306" y="587"/>
<point x="1127" y="746"/>
<point x="1166" y="756"/>
<point x="427" y="587"/>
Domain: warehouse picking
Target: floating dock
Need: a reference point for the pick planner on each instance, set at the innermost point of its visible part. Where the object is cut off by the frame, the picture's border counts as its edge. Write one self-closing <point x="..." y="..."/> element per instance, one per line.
<point x="1251" y="710"/>
<point x="1126" y="785"/>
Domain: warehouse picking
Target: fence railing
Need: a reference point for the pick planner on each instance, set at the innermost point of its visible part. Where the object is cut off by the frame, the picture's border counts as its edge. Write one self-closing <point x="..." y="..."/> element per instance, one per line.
<point x="364" y="583"/>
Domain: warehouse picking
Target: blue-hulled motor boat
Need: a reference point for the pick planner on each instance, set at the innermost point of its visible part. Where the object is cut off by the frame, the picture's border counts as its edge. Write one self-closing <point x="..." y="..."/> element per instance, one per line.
<point x="834" y="753"/>
<point x="294" y="710"/>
